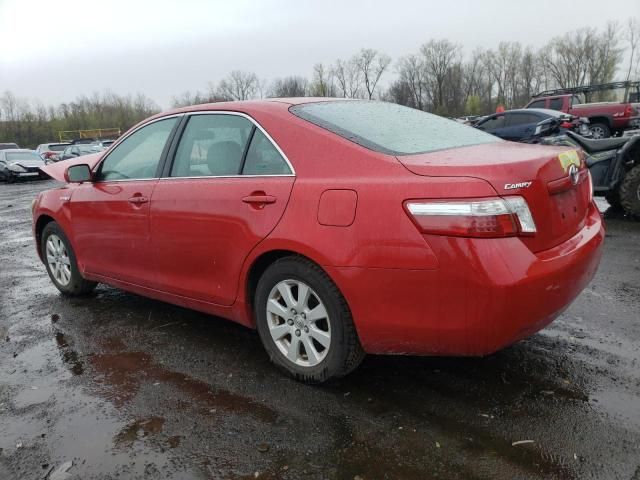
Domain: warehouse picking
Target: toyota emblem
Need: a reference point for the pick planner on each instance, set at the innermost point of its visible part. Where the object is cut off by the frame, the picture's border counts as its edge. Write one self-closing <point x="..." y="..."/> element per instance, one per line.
<point x="574" y="174"/>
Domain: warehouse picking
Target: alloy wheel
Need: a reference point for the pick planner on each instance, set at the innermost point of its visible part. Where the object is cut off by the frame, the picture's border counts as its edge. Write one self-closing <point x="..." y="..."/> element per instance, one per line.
<point x="597" y="133"/>
<point x="58" y="259"/>
<point x="298" y="323"/>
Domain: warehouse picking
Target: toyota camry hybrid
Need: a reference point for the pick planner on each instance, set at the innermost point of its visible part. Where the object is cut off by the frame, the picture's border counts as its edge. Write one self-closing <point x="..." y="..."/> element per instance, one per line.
<point x="334" y="227"/>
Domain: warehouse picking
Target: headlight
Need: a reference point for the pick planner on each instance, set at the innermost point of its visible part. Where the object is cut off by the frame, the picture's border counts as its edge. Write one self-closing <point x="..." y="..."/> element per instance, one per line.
<point x="16" y="168"/>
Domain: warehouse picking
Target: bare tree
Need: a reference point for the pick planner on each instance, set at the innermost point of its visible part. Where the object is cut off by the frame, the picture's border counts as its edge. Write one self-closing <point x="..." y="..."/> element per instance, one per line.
<point x="372" y="65"/>
<point x="348" y="77"/>
<point x="238" y="85"/>
<point x="293" y="86"/>
<point x="583" y="56"/>
<point x="632" y="37"/>
<point x="322" y="82"/>
<point x="412" y="72"/>
<point x="438" y="56"/>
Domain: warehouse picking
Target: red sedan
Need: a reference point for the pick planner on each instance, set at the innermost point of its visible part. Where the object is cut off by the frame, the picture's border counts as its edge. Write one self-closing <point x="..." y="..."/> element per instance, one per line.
<point x="333" y="227"/>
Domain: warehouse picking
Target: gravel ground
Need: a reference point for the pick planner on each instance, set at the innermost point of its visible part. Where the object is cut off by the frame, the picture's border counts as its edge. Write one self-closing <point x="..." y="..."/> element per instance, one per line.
<point x="122" y="386"/>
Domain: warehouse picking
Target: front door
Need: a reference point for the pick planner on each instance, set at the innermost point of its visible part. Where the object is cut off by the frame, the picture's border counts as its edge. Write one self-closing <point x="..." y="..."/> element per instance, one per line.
<point x="110" y="215"/>
<point x="227" y="189"/>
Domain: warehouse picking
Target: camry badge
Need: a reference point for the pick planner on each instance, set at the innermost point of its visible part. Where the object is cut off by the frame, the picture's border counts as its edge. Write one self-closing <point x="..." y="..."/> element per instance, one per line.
<point x="511" y="186"/>
<point x="574" y="174"/>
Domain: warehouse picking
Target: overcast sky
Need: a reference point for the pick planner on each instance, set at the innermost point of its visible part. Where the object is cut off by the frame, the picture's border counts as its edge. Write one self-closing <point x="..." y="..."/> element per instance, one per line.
<point x="55" y="50"/>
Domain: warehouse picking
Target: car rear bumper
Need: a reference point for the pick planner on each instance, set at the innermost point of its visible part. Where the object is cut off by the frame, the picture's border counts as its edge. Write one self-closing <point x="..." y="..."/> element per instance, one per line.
<point x="486" y="294"/>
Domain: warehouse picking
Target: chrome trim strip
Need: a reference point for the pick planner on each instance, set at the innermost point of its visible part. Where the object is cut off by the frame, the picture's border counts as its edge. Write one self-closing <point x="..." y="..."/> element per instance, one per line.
<point x="205" y="112"/>
<point x="229" y="176"/>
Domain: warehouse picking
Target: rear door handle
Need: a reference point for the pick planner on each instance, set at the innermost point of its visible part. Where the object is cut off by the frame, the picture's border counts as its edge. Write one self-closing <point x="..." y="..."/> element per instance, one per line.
<point x="259" y="199"/>
<point x="138" y="199"/>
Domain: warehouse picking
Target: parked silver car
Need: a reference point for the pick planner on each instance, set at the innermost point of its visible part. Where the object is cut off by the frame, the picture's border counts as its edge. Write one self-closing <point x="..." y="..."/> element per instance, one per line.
<point x="18" y="163"/>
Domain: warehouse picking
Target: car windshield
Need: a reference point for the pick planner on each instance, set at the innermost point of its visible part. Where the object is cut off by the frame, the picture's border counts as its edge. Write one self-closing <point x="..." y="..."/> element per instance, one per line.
<point x="389" y="128"/>
<point x="17" y="156"/>
<point x="57" y="148"/>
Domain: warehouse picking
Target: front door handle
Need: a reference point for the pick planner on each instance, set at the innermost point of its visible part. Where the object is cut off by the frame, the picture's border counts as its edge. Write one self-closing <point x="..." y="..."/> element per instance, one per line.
<point x="259" y="199"/>
<point x="138" y="199"/>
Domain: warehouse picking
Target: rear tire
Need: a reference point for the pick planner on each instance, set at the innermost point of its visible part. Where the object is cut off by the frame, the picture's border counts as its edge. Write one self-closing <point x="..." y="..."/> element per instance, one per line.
<point x="600" y="130"/>
<point x="304" y="322"/>
<point x="614" y="200"/>
<point x="629" y="192"/>
<point x="60" y="262"/>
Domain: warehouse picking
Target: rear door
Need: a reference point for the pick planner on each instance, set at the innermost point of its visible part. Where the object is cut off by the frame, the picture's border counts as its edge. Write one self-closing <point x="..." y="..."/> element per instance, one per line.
<point x="226" y="189"/>
<point x="110" y="216"/>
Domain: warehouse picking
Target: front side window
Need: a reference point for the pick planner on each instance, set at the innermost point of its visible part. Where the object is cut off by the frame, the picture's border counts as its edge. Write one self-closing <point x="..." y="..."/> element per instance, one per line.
<point x="138" y="155"/>
<point x="212" y="145"/>
<point x="263" y="158"/>
<point x="390" y="128"/>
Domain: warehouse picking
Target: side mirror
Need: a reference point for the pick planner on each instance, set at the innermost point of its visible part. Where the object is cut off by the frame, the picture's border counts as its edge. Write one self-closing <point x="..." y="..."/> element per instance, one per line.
<point x="78" y="173"/>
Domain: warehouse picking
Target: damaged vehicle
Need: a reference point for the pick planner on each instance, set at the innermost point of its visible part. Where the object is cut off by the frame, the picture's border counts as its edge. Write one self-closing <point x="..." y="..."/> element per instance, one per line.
<point x="20" y="164"/>
<point x="335" y="228"/>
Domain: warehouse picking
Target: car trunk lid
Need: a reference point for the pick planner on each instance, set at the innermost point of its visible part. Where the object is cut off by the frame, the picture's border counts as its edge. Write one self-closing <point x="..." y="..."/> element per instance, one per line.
<point x="540" y="174"/>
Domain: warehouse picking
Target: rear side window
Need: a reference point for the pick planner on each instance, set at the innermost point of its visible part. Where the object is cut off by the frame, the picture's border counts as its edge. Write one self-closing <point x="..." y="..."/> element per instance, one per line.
<point x="521" y="118"/>
<point x="555" y="104"/>
<point x="389" y="128"/>
<point x="536" y="104"/>
<point x="263" y="158"/>
<point x="212" y="145"/>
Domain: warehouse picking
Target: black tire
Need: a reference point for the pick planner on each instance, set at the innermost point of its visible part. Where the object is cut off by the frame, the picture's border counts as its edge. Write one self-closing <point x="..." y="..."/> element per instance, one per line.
<point x="76" y="285"/>
<point x="600" y="130"/>
<point x="629" y="192"/>
<point x="614" y="200"/>
<point x="344" y="353"/>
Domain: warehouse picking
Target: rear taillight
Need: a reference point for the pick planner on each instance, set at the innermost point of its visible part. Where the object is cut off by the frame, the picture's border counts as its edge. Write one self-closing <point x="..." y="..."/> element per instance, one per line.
<point x="483" y="217"/>
<point x="567" y="125"/>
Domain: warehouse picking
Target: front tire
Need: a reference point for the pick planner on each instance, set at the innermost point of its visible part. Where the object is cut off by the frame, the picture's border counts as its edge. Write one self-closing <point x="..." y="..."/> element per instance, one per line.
<point x="629" y="192"/>
<point x="60" y="262"/>
<point x="599" y="131"/>
<point x="305" y="323"/>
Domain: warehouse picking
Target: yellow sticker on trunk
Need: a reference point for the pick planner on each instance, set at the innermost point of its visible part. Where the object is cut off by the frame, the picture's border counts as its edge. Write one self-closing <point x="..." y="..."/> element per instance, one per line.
<point x="569" y="158"/>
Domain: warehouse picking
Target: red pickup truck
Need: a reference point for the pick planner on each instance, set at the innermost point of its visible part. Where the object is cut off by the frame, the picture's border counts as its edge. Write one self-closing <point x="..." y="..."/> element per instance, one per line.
<point x="605" y="118"/>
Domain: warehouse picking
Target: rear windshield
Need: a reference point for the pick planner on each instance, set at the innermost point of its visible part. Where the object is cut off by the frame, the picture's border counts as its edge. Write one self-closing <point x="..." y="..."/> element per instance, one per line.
<point x="15" y="156"/>
<point x="389" y="128"/>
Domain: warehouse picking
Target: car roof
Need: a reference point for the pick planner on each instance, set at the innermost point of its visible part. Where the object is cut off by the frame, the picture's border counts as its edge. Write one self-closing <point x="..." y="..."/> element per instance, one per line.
<point x="247" y="105"/>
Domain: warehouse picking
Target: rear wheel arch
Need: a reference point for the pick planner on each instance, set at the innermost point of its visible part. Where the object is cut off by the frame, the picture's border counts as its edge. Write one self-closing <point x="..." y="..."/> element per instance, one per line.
<point x="262" y="262"/>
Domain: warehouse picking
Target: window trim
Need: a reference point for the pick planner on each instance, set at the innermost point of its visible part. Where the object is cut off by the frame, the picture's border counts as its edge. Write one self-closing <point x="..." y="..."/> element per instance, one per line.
<point x="163" y="156"/>
<point x="166" y="171"/>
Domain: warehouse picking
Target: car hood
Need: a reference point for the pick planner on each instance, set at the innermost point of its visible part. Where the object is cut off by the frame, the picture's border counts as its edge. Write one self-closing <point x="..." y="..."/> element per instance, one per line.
<point x="27" y="163"/>
<point x="56" y="170"/>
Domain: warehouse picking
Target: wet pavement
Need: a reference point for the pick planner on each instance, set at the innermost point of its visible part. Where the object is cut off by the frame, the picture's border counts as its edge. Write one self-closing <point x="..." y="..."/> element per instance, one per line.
<point x="126" y="387"/>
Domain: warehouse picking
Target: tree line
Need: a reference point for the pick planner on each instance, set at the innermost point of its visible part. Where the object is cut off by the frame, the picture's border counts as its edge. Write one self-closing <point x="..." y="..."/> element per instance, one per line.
<point x="438" y="77"/>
